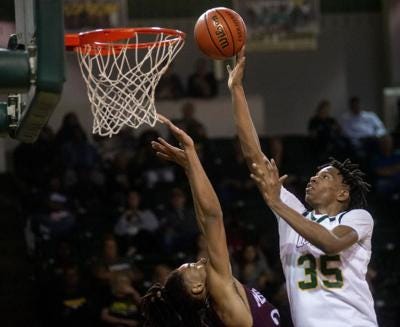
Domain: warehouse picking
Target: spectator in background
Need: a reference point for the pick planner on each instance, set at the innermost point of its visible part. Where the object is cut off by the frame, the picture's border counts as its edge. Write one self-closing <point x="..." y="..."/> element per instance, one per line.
<point x="106" y="265"/>
<point x="136" y="226"/>
<point x="118" y="177"/>
<point x="34" y="163"/>
<point x="146" y="170"/>
<point x="109" y="261"/>
<point x="325" y="132"/>
<point x="236" y="184"/>
<point x="386" y="166"/>
<point x="363" y="128"/>
<point x="188" y="122"/>
<point x="170" y="86"/>
<point x="202" y="82"/>
<point x="109" y="147"/>
<point x="68" y="128"/>
<point x="123" y="307"/>
<point x="77" y="152"/>
<point x="178" y="223"/>
<point x="58" y="221"/>
<point x="72" y="303"/>
<point x="252" y="265"/>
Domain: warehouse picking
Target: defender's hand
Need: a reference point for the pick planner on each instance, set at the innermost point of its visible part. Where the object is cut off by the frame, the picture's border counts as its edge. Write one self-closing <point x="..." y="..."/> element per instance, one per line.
<point x="169" y="152"/>
<point x="184" y="139"/>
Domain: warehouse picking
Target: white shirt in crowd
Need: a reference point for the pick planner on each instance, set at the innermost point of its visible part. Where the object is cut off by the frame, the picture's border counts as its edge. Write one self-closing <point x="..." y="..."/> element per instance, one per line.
<point x="365" y="124"/>
<point x="130" y="223"/>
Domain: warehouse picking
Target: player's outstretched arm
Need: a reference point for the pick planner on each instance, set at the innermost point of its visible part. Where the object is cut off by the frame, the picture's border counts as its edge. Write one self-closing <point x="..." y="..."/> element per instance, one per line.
<point x="247" y="133"/>
<point x="270" y="184"/>
<point x="207" y="206"/>
<point x="210" y="221"/>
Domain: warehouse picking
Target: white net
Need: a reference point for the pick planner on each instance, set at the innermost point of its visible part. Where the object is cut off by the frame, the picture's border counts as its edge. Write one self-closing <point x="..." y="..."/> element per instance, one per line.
<point x="121" y="80"/>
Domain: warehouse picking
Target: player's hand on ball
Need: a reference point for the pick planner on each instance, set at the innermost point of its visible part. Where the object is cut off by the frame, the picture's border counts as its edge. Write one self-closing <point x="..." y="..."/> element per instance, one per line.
<point x="268" y="180"/>
<point x="236" y="74"/>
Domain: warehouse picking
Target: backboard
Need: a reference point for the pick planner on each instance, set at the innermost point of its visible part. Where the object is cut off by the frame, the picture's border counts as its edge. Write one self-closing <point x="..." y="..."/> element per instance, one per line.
<point x="32" y="68"/>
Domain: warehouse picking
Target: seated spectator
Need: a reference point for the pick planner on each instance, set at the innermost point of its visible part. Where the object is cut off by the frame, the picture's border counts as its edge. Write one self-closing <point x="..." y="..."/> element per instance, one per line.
<point x="170" y="86"/>
<point x="118" y="182"/>
<point x="147" y="170"/>
<point x="178" y="224"/>
<point x="34" y="163"/>
<point x="325" y="132"/>
<point x="109" y="147"/>
<point x="58" y="221"/>
<point x="123" y="307"/>
<point x="202" y="82"/>
<point x="136" y="225"/>
<point x="252" y="267"/>
<point x="386" y="166"/>
<point x="109" y="261"/>
<point x="72" y="303"/>
<point x="77" y="152"/>
<point x="236" y="185"/>
<point x="363" y="128"/>
<point x="68" y="128"/>
<point x="189" y="123"/>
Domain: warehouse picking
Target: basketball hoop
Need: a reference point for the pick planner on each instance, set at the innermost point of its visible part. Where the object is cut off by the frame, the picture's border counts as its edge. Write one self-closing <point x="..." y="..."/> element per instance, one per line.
<point x="121" y="68"/>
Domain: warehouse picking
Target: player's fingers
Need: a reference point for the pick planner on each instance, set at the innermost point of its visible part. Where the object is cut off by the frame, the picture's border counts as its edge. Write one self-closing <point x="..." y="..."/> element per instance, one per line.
<point x="261" y="173"/>
<point x="229" y="69"/>
<point x="178" y="133"/>
<point x="266" y="161"/>
<point x="257" y="179"/>
<point x="162" y="118"/>
<point x="283" y="178"/>
<point x="174" y="129"/>
<point x="167" y="145"/>
<point x="157" y="146"/>
<point x="256" y="170"/>
<point x="275" y="168"/>
<point x="242" y="51"/>
<point x="268" y="166"/>
<point x="164" y="156"/>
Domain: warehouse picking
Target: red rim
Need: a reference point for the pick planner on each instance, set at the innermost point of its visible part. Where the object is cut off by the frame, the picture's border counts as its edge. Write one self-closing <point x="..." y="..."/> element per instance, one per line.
<point x="104" y="38"/>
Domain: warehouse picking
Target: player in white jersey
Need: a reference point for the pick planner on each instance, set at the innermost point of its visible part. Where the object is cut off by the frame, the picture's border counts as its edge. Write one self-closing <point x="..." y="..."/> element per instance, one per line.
<point x="324" y="252"/>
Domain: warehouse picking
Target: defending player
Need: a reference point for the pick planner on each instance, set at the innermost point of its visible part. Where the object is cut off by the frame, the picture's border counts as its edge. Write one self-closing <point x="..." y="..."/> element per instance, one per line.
<point x="324" y="252"/>
<point x="203" y="293"/>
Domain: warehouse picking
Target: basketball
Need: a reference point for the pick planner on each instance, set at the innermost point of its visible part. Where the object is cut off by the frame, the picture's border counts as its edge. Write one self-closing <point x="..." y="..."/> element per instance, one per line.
<point x="220" y="33"/>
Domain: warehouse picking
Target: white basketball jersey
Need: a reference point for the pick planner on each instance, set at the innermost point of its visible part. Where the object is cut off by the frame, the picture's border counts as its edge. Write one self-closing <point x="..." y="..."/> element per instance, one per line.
<point x="327" y="290"/>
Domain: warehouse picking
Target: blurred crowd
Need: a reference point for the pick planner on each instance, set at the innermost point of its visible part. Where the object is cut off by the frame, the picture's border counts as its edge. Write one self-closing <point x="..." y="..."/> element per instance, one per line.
<point x="105" y="218"/>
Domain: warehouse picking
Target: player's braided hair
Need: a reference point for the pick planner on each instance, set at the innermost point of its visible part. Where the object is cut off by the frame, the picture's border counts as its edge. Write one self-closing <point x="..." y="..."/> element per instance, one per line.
<point x="172" y="306"/>
<point x="354" y="178"/>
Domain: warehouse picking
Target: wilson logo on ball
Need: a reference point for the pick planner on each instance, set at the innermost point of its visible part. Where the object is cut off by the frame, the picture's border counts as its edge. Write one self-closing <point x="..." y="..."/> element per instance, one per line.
<point x="220" y="33"/>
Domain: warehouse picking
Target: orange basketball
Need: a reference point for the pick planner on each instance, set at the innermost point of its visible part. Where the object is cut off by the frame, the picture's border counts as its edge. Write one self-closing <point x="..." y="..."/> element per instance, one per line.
<point x="220" y="33"/>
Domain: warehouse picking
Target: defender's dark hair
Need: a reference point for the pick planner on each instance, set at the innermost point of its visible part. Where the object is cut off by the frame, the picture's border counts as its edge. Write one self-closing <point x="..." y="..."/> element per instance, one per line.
<point x="172" y="306"/>
<point x="354" y="178"/>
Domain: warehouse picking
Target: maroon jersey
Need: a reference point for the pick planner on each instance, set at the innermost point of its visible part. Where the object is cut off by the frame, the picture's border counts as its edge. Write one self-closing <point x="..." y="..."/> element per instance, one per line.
<point x="264" y="313"/>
